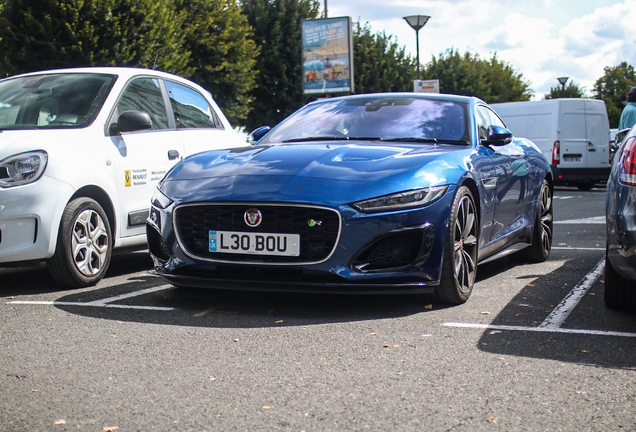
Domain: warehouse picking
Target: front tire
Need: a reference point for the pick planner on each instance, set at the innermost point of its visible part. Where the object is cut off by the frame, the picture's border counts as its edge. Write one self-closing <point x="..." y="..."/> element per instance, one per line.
<point x="459" y="266"/>
<point x="84" y="245"/>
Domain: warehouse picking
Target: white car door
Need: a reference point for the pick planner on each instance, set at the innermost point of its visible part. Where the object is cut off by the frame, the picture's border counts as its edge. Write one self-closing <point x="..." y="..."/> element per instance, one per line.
<point x="143" y="156"/>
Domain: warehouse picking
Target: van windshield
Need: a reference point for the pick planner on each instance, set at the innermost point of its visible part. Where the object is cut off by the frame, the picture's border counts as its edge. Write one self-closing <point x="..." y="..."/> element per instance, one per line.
<point x="62" y="100"/>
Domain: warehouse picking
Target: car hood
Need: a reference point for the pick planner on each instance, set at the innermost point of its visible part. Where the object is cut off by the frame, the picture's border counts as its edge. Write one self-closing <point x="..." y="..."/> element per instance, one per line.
<point x="317" y="172"/>
<point x="12" y="139"/>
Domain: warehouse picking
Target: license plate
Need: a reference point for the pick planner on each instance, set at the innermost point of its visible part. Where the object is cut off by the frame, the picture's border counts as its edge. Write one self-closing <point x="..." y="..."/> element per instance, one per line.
<point x="254" y="243"/>
<point x="571" y="159"/>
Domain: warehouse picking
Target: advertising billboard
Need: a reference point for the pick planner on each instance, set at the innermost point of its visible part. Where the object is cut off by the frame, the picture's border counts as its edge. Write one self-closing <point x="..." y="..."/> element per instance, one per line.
<point x="327" y="56"/>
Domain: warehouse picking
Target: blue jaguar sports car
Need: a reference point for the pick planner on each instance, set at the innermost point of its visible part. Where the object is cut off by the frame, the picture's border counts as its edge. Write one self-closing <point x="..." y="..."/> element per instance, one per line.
<point x="374" y="193"/>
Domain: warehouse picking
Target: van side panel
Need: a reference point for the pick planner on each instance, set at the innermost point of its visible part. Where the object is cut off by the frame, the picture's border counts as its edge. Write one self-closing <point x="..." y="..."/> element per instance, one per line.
<point x="581" y="127"/>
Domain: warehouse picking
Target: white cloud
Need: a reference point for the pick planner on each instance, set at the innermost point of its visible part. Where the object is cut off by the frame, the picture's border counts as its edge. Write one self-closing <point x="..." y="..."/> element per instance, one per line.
<point x="542" y="40"/>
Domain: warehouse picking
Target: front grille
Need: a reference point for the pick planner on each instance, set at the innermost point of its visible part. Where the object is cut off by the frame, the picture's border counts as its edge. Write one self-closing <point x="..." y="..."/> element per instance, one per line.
<point x="193" y="223"/>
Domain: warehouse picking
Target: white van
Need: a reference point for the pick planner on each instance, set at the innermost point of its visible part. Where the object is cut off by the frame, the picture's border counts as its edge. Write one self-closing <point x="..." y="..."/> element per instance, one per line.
<point x="573" y="134"/>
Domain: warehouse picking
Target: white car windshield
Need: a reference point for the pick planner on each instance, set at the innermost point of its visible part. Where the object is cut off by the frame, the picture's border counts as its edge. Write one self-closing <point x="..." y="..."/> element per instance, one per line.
<point x="52" y="100"/>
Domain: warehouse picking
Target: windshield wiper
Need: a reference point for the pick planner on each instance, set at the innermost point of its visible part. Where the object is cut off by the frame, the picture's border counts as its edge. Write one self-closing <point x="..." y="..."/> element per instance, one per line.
<point x="317" y="138"/>
<point x="427" y="140"/>
<point x="334" y="138"/>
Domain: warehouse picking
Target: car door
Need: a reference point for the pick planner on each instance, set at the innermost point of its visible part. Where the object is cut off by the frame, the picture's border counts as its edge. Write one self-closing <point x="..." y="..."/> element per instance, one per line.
<point x="511" y="170"/>
<point x="143" y="157"/>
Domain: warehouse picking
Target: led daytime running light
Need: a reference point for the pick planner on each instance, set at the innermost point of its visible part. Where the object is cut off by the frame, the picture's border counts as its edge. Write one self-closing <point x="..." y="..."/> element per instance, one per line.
<point x="402" y="200"/>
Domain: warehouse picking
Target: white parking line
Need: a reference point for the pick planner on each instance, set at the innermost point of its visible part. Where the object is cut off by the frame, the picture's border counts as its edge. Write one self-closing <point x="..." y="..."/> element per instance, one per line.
<point x="578" y="248"/>
<point x="560" y="313"/>
<point x="596" y="220"/>
<point x="106" y="302"/>
<point x="553" y="322"/>
<point x="538" y="329"/>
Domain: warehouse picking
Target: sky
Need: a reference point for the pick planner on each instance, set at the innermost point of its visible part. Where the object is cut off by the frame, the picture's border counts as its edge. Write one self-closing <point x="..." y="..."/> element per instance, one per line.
<point x="540" y="39"/>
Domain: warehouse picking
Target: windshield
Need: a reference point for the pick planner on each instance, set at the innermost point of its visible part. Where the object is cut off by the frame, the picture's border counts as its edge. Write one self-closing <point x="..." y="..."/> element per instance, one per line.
<point x="52" y="100"/>
<point x="374" y="118"/>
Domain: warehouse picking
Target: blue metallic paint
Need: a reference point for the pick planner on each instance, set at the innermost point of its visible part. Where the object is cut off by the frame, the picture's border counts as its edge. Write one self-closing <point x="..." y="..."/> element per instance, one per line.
<point x="335" y="174"/>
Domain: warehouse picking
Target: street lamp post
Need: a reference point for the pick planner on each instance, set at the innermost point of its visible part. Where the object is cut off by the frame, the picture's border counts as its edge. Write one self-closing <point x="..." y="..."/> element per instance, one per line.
<point x="417" y="22"/>
<point x="563" y="80"/>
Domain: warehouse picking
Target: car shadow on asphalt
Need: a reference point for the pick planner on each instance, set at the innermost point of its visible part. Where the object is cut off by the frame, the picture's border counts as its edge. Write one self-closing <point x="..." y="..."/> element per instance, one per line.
<point x="582" y="338"/>
<point x="36" y="279"/>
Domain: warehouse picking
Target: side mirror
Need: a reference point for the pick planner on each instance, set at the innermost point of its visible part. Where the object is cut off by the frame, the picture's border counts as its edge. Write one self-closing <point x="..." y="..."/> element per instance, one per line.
<point x="497" y="135"/>
<point x="620" y="136"/>
<point x="131" y="121"/>
<point x="259" y="133"/>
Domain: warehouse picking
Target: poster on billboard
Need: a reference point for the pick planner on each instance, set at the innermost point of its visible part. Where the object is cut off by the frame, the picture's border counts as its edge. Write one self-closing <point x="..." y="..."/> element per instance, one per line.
<point x="327" y="56"/>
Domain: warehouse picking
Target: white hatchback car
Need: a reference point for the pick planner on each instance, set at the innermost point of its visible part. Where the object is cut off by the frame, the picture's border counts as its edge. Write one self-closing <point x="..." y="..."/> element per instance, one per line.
<point x="81" y="152"/>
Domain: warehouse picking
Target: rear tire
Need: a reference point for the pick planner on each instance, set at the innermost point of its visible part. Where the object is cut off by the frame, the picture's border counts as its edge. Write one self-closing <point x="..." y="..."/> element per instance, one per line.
<point x="620" y="293"/>
<point x="539" y="250"/>
<point x="84" y="245"/>
<point x="459" y="266"/>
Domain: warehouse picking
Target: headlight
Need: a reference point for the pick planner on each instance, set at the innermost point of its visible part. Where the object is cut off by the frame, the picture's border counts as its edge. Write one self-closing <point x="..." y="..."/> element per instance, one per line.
<point x="23" y="168"/>
<point x="160" y="200"/>
<point x="402" y="200"/>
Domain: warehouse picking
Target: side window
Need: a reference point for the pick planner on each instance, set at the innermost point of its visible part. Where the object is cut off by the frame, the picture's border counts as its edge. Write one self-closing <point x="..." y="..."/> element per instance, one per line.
<point x="494" y="118"/>
<point x="482" y="120"/>
<point x="486" y="117"/>
<point x="144" y="94"/>
<point x="191" y="109"/>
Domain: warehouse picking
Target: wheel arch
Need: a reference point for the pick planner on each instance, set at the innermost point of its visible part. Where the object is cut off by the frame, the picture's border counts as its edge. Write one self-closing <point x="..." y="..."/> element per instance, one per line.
<point x="470" y="183"/>
<point x="103" y="199"/>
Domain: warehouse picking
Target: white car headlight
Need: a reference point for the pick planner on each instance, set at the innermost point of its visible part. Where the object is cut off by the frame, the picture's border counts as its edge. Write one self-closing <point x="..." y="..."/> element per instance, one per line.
<point x="22" y="168"/>
<point x="402" y="200"/>
<point x="160" y="200"/>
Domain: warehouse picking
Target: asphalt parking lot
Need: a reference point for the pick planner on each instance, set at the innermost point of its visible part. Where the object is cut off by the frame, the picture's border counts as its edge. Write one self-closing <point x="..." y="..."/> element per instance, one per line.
<point x="534" y="348"/>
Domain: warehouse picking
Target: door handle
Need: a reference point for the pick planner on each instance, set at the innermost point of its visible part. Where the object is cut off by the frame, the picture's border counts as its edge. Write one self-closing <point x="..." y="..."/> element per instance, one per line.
<point x="173" y="154"/>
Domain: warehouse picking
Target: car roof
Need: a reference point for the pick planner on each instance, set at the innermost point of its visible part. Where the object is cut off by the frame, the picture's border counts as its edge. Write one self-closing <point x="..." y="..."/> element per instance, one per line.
<point x="124" y="72"/>
<point x="435" y="96"/>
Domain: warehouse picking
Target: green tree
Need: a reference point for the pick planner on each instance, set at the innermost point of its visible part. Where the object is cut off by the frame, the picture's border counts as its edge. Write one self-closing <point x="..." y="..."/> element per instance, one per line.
<point x="223" y="54"/>
<point x="276" y="25"/>
<point x="572" y="90"/>
<point x="612" y="87"/>
<point x="46" y="34"/>
<point x="380" y="64"/>
<point x="491" y="80"/>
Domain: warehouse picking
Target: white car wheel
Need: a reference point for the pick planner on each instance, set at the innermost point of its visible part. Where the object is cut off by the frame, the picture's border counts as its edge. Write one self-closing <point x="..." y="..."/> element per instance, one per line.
<point x="84" y="245"/>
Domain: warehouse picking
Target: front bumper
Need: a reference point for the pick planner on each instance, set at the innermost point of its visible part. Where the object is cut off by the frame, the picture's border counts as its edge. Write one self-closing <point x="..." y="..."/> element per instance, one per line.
<point x="29" y="219"/>
<point x="339" y="273"/>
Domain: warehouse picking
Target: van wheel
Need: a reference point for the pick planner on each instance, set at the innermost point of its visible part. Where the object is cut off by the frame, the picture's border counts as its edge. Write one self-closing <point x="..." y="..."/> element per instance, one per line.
<point x="84" y="245"/>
